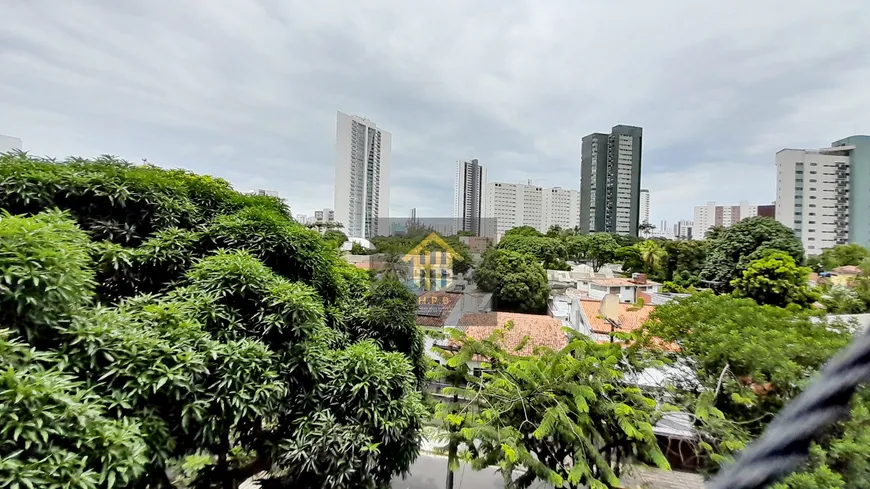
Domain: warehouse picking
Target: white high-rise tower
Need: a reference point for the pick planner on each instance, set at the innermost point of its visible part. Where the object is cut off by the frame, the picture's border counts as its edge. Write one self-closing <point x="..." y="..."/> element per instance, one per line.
<point x="362" y="177"/>
<point x="644" y="206"/>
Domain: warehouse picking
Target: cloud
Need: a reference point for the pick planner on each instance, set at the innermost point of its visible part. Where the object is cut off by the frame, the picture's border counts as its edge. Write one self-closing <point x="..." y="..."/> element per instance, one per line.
<point x="248" y="89"/>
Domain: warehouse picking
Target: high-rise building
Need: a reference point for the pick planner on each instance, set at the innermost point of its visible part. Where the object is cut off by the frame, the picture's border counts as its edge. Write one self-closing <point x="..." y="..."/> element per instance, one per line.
<point x="8" y="143"/>
<point x="468" y="195"/>
<point x="643" y="215"/>
<point x="325" y="215"/>
<point x="510" y="205"/>
<point x="263" y="192"/>
<point x="712" y="215"/>
<point x="362" y="177"/>
<point x="858" y="150"/>
<point x="610" y="181"/>
<point x="813" y="195"/>
<point x="683" y="230"/>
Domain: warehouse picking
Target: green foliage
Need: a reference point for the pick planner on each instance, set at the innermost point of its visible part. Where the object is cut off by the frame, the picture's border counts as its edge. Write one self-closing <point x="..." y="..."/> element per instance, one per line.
<point x="567" y="417"/>
<point x="518" y="281"/>
<point x="212" y="339"/>
<point x="842" y="255"/>
<point x="56" y="434"/>
<point x="731" y="250"/>
<point x="46" y="273"/>
<point x="684" y="261"/>
<point x="750" y="360"/>
<point x="840" y="299"/>
<point x="335" y="238"/>
<point x="115" y="200"/>
<point x="522" y="231"/>
<point x="550" y="252"/>
<point x="652" y="254"/>
<point x="598" y="248"/>
<point x="775" y="279"/>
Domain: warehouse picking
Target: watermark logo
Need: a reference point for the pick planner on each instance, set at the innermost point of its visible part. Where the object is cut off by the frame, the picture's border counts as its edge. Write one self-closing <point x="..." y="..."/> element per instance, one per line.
<point x="431" y="264"/>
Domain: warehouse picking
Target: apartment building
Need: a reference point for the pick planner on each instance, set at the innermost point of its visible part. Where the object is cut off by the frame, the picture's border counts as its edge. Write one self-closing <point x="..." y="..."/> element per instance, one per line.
<point x="362" y="177"/>
<point x="610" y="181"/>
<point x="325" y="215"/>
<point x="813" y="195"/>
<point x="683" y="230"/>
<point x="643" y="215"/>
<point x="468" y="195"/>
<point x="510" y="205"/>
<point x="712" y="215"/>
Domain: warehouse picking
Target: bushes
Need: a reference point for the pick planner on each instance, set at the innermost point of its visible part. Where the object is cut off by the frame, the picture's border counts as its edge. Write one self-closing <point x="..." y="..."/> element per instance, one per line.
<point x="227" y="333"/>
<point x="45" y="266"/>
<point x="55" y="433"/>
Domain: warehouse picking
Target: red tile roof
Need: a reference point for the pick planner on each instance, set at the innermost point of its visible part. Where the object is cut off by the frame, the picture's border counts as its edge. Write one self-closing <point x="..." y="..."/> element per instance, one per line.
<point x="541" y="330"/>
<point x="629" y="320"/>
<point x="847" y="270"/>
<point x="621" y="282"/>
<point x="447" y="299"/>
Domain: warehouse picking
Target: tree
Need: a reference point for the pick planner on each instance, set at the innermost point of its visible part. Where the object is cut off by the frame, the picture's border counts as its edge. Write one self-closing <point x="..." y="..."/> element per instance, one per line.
<point x="842" y="255"/>
<point x="566" y="417"/>
<point x="652" y="254"/>
<point x="517" y="281"/>
<point x="732" y="249"/>
<point x="601" y="249"/>
<point x="775" y="279"/>
<point x="393" y="265"/>
<point x="646" y="229"/>
<point x="555" y="231"/>
<point x="162" y="320"/>
<point x="631" y="259"/>
<point x="550" y="252"/>
<point x="843" y="300"/>
<point x="336" y="238"/>
<point x="749" y="361"/>
<point x="522" y="231"/>
<point x="684" y="261"/>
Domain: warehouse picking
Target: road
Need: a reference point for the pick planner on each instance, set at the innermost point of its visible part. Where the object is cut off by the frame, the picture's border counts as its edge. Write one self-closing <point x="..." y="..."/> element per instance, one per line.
<point x="430" y="472"/>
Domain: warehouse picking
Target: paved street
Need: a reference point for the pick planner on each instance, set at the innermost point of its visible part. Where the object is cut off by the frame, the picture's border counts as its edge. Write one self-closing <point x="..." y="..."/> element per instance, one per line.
<point x="430" y="472"/>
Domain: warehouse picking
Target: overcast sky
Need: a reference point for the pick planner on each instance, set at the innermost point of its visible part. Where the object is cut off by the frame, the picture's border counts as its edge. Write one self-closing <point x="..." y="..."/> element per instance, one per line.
<point x="248" y="90"/>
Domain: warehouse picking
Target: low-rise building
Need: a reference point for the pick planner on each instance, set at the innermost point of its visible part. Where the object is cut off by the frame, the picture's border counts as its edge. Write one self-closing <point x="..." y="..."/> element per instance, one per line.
<point x="585" y="317"/>
<point x="476" y="244"/>
<point x="541" y="330"/>
<point x="628" y="289"/>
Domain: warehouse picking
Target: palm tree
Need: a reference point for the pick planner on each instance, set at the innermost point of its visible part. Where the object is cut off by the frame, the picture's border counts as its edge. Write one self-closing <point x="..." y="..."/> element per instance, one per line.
<point x="652" y="254"/>
<point x="646" y="228"/>
<point x="394" y="265"/>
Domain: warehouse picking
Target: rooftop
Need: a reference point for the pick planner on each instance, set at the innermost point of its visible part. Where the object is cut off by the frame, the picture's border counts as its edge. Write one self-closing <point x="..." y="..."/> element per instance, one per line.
<point x="620" y="282"/>
<point x="430" y="300"/>
<point x="541" y="330"/>
<point x="847" y="270"/>
<point x="629" y="318"/>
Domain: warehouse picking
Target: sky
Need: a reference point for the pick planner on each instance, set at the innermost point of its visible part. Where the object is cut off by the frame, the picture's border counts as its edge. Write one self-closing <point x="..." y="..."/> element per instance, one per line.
<point x="248" y="90"/>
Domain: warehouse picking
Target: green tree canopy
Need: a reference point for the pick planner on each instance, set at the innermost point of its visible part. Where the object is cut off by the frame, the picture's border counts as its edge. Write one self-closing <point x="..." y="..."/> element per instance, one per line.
<point x="522" y="231"/>
<point x="160" y="317"/>
<point x="841" y="255"/>
<point x="775" y="279"/>
<point x="517" y="281"/>
<point x="335" y="238"/>
<point x="750" y="361"/>
<point x="600" y="249"/>
<point x="732" y="249"/>
<point x="550" y="252"/>
<point x="565" y="417"/>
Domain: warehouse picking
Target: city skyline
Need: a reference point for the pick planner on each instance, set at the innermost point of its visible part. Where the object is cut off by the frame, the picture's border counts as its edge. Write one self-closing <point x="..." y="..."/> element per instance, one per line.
<point x="230" y="91"/>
